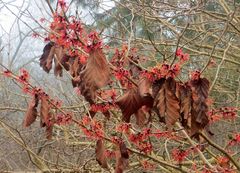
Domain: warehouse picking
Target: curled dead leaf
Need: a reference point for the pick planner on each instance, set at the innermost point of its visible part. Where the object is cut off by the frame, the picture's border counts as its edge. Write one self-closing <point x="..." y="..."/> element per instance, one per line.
<point x="185" y="98"/>
<point x="122" y="157"/>
<point x="47" y="57"/>
<point x="134" y="99"/>
<point x="100" y="154"/>
<point x="44" y="111"/>
<point x="143" y="116"/>
<point x="59" y="54"/>
<point x="31" y="113"/>
<point x="199" y="118"/>
<point x="46" y="117"/>
<point x="54" y="52"/>
<point x="75" y="68"/>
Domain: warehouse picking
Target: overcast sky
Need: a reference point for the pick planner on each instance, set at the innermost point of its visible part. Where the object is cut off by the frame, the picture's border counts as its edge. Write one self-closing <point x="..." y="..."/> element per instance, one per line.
<point x="7" y="17"/>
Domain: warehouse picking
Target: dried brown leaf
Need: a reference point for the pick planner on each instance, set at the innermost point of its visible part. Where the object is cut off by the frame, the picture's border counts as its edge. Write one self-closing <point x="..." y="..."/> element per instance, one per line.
<point x="49" y="129"/>
<point x="52" y="51"/>
<point x="134" y="99"/>
<point x="95" y="75"/>
<point x="167" y="103"/>
<point x="65" y="60"/>
<point x="185" y="97"/>
<point x="75" y="69"/>
<point x="145" y="87"/>
<point x="46" y="118"/>
<point x="134" y="68"/>
<point x="47" y="57"/>
<point x="156" y="86"/>
<point x="199" y="119"/>
<point x="58" y="60"/>
<point x="100" y="154"/>
<point x="31" y="113"/>
<point x="129" y="103"/>
<point x="143" y="116"/>
<point x="122" y="157"/>
<point x="44" y="112"/>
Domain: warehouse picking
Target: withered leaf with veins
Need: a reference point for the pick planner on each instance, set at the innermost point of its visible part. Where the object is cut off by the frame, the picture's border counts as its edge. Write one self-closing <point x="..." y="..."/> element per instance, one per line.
<point x="31" y="113"/>
<point x="100" y="154"/>
<point x="95" y="74"/>
<point x="166" y="102"/>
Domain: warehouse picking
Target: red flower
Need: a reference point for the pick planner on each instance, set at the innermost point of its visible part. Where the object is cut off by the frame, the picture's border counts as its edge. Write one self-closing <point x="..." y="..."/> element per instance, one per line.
<point x="7" y="73"/>
<point x="235" y="140"/>
<point x="94" y="42"/>
<point x="83" y="59"/>
<point x="195" y="75"/>
<point x="145" y="147"/>
<point x="26" y="89"/>
<point x="101" y="107"/>
<point x="179" y="52"/>
<point x="164" y="69"/>
<point x="23" y="76"/>
<point x="148" y="75"/>
<point x="123" y="127"/>
<point x="42" y="20"/>
<point x="86" y="120"/>
<point x="62" y="3"/>
<point x="147" y="165"/>
<point x="179" y="154"/>
<point x="116" y="140"/>
<point x="134" y="138"/>
<point x="184" y="57"/>
<point x="63" y="119"/>
<point x="35" y="35"/>
<point x="229" y="112"/>
<point x="174" y="71"/>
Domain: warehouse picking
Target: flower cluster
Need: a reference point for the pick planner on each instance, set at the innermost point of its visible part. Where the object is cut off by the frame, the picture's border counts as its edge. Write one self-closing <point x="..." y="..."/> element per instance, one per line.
<point x="23" y="76"/>
<point x="122" y="75"/>
<point x="163" y="134"/>
<point x="226" y="113"/>
<point x="7" y="73"/>
<point x="195" y="75"/>
<point x="91" y="128"/>
<point x="183" y="56"/>
<point x="179" y="154"/>
<point x="116" y="140"/>
<point x="140" y="140"/>
<point x="148" y="165"/>
<point x="94" y="42"/>
<point x="71" y="36"/>
<point x="162" y="71"/>
<point x="145" y="147"/>
<point x="235" y="140"/>
<point x="119" y="61"/>
<point x="166" y="70"/>
<point x="62" y="119"/>
<point x="100" y="107"/>
<point x="123" y="127"/>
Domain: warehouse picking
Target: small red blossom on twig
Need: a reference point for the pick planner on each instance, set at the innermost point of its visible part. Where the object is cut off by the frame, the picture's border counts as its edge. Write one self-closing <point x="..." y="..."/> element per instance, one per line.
<point x="235" y="140"/>
<point x="7" y="73"/>
<point x="179" y="154"/>
<point x="148" y="165"/>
